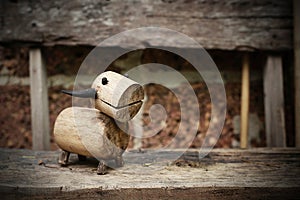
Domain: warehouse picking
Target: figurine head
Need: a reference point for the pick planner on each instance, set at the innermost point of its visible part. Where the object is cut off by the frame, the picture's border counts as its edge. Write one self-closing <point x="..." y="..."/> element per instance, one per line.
<point x="114" y="95"/>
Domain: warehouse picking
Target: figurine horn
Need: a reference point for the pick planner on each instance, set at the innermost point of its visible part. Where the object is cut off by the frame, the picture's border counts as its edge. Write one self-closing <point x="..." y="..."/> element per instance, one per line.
<point x="87" y="93"/>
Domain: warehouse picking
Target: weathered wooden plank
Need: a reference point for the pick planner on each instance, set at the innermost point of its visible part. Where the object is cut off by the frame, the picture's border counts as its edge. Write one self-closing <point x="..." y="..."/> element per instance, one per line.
<point x="224" y="173"/>
<point x="245" y="101"/>
<point x="297" y="68"/>
<point x="39" y="101"/>
<point x="214" y="24"/>
<point x="274" y="102"/>
<point x="167" y="193"/>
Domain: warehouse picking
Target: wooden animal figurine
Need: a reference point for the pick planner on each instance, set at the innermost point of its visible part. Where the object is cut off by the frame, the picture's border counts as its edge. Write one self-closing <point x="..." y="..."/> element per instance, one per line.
<point x="100" y="132"/>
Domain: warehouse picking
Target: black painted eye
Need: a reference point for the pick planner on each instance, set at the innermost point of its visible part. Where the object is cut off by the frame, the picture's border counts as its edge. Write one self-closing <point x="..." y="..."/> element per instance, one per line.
<point x="104" y="81"/>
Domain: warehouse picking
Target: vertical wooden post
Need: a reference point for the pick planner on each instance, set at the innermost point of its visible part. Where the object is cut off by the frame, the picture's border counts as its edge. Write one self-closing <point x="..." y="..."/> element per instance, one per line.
<point x="297" y="68"/>
<point x="245" y="102"/>
<point x="274" y="102"/>
<point x="39" y="101"/>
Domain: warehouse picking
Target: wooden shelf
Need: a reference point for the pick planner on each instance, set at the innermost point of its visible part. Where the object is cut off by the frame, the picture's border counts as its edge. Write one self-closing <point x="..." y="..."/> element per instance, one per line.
<point x="224" y="173"/>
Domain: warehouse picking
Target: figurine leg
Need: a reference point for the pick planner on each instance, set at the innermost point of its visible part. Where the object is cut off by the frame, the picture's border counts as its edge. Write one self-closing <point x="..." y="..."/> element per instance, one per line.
<point x="119" y="161"/>
<point x="64" y="158"/>
<point x="81" y="157"/>
<point x="101" y="169"/>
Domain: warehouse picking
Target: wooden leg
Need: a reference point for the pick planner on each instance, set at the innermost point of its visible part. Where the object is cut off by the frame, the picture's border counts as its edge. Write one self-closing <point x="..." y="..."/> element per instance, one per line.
<point x="274" y="102"/>
<point x="64" y="158"/>
<point x="39" y="101"/>
<point x="102" y="169"/>
<point x="119" y="161"/>
<point x="245" y="102"/>
<point x="81" y="158"/>
<point x="296" y="7"/>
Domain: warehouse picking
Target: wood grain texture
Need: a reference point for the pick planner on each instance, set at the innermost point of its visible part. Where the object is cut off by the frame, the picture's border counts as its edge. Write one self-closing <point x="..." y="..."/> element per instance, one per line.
<point x="214" y="24"/>
<point x="245" y="102"/>
<point x="297" y="69"/>
<point x="223" y="174"/>
<point x="88" y="132"/>
<point x="120" y="98"/>
<point x="39" y="101"/>
<point x="274" y="102"/>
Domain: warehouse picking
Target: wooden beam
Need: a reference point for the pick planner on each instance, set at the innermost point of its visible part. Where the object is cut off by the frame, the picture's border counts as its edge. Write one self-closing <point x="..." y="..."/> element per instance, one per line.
<point x="214" y="24"/>
<point x="245" y="102"/>
<point x="39" y="101"/>
<point x="274" y="102"/>
<point x="224" y="174"/>
<point x="297" y="68"/>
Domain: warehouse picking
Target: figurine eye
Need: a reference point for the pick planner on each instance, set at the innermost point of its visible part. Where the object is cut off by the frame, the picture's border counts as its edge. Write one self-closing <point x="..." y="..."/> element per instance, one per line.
<point x="104" y="81"/>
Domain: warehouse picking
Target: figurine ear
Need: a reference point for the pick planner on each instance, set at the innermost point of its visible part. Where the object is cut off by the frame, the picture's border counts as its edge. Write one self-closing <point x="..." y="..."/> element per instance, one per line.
<point x="88" y="93"/>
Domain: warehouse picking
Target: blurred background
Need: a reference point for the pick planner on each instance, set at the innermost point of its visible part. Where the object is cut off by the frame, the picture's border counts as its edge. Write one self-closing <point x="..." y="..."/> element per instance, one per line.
<point x="66" y="31"/>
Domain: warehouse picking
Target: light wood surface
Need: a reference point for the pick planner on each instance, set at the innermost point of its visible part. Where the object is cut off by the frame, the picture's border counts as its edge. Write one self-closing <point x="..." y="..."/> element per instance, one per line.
<point x="274" y="102"/>
<point x="245" y="102"/>
<point x="121" y="98"/>
<point x="223" y="174"/>
<point x="88" y="132"/>
<point x="39" y="101"/>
